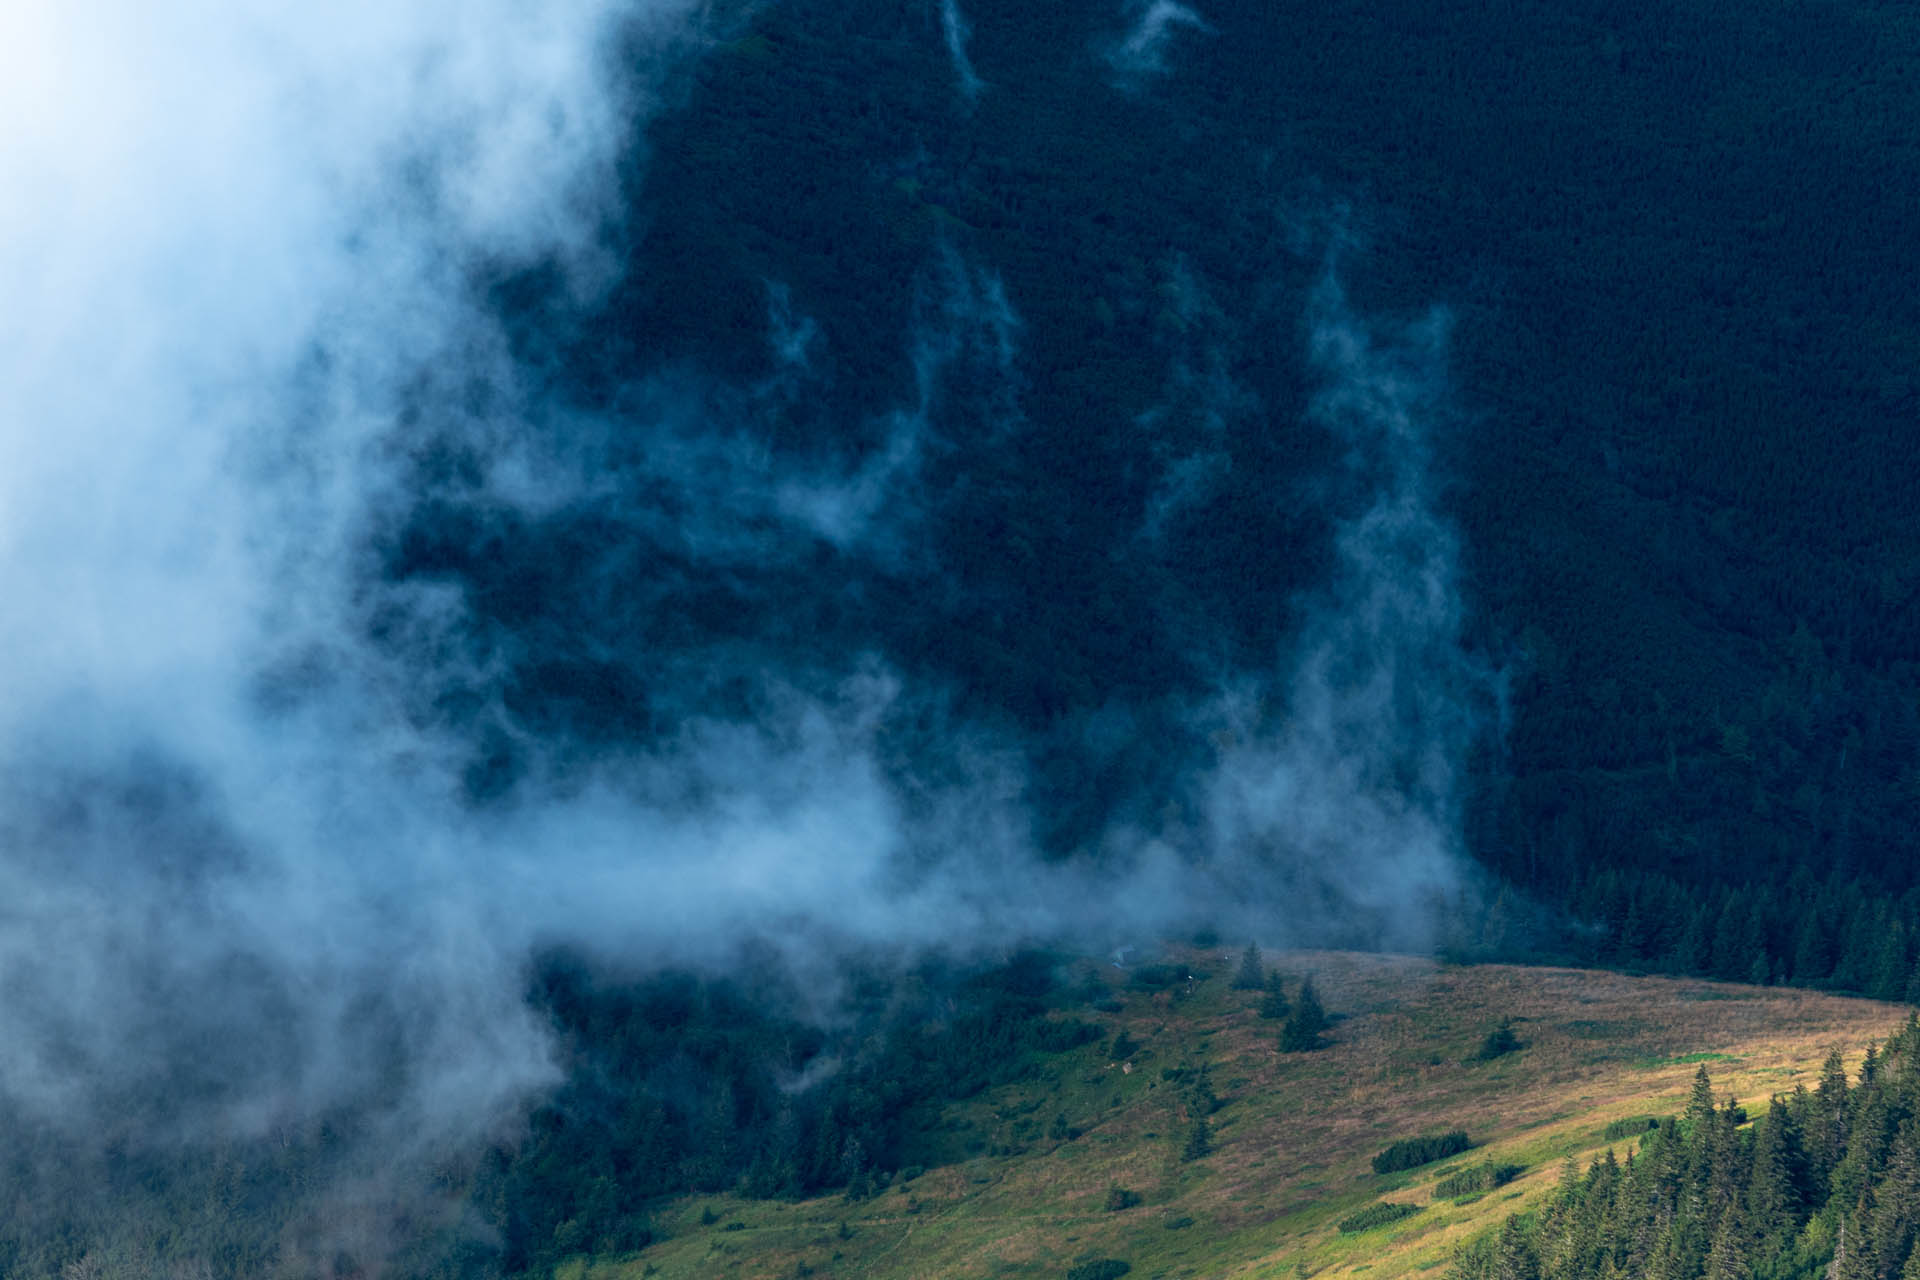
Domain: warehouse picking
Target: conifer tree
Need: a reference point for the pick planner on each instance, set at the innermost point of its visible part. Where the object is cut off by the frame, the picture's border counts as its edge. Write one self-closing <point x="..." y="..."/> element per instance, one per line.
<point x="1697" y="1126"/>
<point x="1730" y="1159"/>
<point x="1199" y="1140"/>
<point x="1632" y="942"/>
<point x="1700" y="1108"/>
<point x="1250" y="976"/>
<point x="1727" y="1260"/>
<point x="1301" y="1034"/>
<point x="1514" y="1257"/>
<point x="1776" y="1183"/>
<point x="1831" y="1120"/>
<point x="1275" y="1003"/>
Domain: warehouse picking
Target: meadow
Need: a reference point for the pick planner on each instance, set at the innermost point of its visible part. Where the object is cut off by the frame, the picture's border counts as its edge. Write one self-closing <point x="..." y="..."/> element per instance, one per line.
<point x="1020" y="1180"/>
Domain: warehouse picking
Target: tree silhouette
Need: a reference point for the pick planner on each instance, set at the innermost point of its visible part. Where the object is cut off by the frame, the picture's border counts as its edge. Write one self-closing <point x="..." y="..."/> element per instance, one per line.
<point x="1301" y="1034"/>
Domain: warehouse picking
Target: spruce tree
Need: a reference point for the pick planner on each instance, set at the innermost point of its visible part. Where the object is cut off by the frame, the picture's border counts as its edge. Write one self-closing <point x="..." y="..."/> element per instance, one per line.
<point x="1514" y="1257"/>
<point x="1199" y="1140"/>
<point x="1301" y="1034"/>
<point x="1831" y="1120"/>
<point x="1727" y="1260"/>
<point x="1275" y="1003"/>
<point x="1250" y="976"/>
<point x="1776" y="1183"/>
<point x="1699" y="1113"/>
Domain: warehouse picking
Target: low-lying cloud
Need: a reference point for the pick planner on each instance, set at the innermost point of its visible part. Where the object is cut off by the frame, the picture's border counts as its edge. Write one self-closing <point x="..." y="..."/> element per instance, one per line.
<point x="953" y="26"/>
<point x="1141" y="51"/>
<point x="266" y="470"/>
<point x="1339" y="785"/>
<point x="231" y="851"/>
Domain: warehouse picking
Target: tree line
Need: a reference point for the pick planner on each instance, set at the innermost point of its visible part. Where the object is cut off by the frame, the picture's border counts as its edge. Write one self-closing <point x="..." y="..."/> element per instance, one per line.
<point x="1825" y="1183"/>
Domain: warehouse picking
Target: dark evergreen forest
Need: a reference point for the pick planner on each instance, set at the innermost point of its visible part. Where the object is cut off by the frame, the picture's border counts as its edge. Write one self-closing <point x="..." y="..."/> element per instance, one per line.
<point x="1827" y="1182"/>
<point x="1676" y="246"/>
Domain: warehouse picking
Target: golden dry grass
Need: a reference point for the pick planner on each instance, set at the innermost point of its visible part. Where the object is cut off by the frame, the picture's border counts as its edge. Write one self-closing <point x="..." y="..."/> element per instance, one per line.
<point x="1295" y="1140"/>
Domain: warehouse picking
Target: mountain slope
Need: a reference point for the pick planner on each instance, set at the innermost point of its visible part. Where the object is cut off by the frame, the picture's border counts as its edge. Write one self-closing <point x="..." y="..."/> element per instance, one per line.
<point x="1294" y="1135"/>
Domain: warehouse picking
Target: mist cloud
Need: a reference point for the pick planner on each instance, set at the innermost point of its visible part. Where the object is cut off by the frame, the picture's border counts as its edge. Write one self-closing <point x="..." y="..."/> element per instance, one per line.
<point x="251" y="868"/>
<point x="953" y="25"/>
<point x="231" y="852"/>
<point x="1152" y="25"/>
<point x="1338" y="787"/>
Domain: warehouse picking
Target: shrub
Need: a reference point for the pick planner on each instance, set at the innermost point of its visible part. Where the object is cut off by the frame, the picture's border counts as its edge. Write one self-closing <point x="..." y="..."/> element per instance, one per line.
<point x="1156" y="977"/>
<point x="1064" y="1034"/>
<point x="1100" y="1269"/>
<point x="1476" y="1181"/>
<point x="1124" y="1046"/>
<point x="1499" y="1041"/>
<point x="1180" y="1223"/>
<point x="1411" y="1153"/>
<point x="1377" y="1215"/>
<point x="1119" y="1198"/>
<point x="1631" y="1127"/>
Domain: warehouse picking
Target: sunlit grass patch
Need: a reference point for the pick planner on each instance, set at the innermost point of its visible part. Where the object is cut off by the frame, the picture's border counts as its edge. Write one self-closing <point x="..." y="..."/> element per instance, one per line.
<point x="1294" y="1140"/>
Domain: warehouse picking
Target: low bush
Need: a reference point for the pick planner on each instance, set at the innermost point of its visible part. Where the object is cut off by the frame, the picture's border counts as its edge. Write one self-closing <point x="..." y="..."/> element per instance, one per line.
<point x="1411" y="1153"/>
<point x="1499" y="1042"/>
<point x="1476" y="1181"/>
<point x="1156" y="977"/>
<point x="1100" y="1269"/>
<point x="1377" y="1215"/>
<point x="1632" y="1127"/>
<point x="1060" y="1035"/>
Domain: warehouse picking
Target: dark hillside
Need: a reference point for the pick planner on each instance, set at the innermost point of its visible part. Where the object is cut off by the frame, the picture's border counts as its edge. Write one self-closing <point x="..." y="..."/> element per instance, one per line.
<point x="1676" y="245"/>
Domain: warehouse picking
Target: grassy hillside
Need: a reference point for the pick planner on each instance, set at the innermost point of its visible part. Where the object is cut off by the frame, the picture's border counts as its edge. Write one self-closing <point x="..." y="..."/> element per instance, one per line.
<point x="1293" y="1136"/>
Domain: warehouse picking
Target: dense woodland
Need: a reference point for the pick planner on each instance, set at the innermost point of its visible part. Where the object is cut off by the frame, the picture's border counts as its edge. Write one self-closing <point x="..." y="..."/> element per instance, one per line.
<point x="1826" y="1182"/>
<point x="1676" y="436"/>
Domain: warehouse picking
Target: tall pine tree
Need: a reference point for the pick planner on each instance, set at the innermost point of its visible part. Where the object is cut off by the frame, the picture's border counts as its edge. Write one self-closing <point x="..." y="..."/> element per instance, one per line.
<point x="1301" y="1034"/>
<point x="1250" y="976"/>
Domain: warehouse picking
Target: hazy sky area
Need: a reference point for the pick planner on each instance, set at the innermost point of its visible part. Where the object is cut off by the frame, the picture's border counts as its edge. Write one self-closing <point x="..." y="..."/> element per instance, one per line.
<point x="283" y="814"/>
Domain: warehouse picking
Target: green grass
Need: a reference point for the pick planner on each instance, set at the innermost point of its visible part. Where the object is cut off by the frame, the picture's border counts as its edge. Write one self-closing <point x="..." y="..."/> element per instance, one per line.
<point x="1294" y="1139"/>
<point x="1688" y="1059"/>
